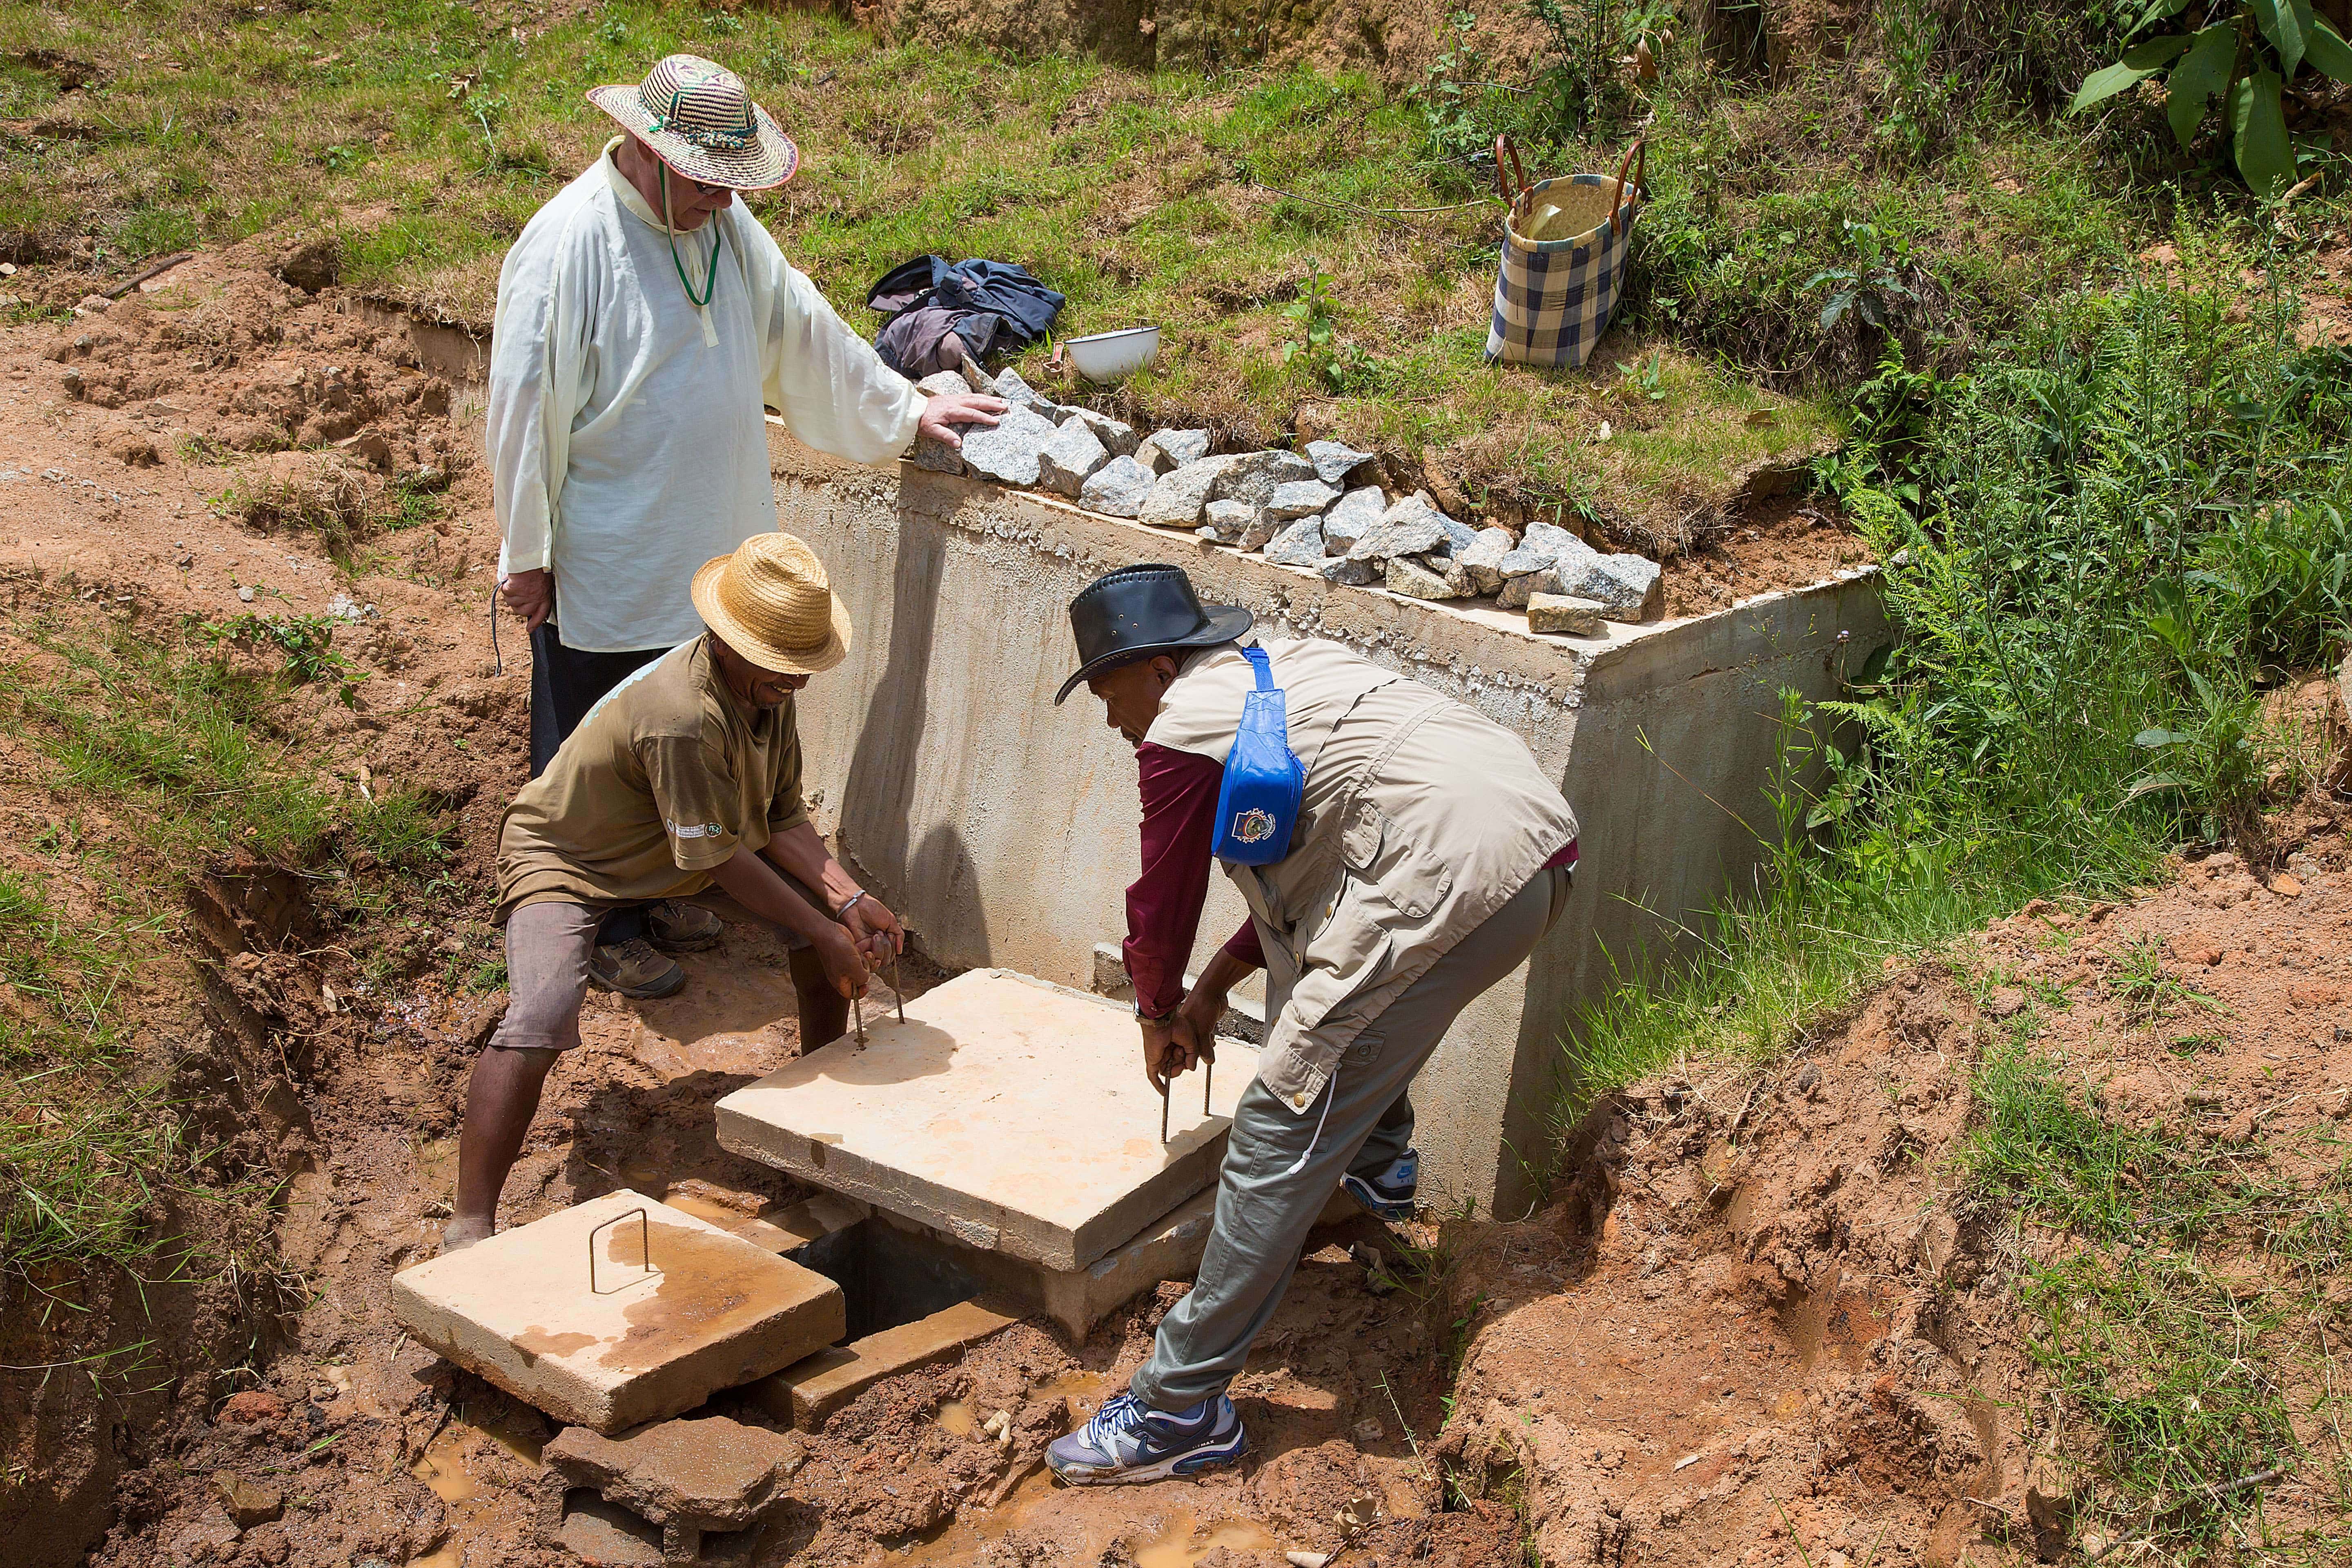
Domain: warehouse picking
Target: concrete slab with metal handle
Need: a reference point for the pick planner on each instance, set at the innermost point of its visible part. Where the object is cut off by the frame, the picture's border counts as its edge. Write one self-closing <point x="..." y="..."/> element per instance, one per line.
<point x="618" y="1310"/>
<point x="1007" y="1112"/>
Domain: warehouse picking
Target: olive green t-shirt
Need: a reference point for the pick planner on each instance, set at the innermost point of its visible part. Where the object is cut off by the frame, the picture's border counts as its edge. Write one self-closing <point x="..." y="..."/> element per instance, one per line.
<point x="666" y="777"/>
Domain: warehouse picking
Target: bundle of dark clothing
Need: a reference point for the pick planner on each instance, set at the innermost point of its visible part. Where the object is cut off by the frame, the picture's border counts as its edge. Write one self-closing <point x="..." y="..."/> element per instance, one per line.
<point x="940" y="310"/>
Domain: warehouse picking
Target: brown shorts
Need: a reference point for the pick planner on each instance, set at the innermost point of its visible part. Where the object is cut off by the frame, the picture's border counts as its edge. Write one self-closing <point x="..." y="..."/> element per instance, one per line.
<point x="548" y="947"/>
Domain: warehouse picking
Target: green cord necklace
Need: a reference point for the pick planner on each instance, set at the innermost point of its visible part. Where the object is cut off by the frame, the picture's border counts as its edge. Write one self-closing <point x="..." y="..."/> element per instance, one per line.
<point x="710" y="280"/>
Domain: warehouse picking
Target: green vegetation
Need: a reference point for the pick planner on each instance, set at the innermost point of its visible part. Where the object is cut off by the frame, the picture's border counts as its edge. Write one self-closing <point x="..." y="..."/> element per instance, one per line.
<point x="161" y="760"/>
<point x="421" y="136"/>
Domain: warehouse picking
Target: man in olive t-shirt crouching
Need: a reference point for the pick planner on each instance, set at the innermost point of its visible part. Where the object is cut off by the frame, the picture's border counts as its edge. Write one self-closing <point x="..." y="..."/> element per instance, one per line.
<point x="687" y="775"/>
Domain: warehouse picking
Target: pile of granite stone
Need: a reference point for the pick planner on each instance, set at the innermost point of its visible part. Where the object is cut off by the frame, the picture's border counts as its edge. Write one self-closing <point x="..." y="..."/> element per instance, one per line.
<point x="1322" y="510"/>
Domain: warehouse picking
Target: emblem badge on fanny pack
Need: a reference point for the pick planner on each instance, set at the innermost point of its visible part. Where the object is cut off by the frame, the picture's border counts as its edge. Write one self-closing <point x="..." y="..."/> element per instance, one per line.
<point x="1253" y="826"/>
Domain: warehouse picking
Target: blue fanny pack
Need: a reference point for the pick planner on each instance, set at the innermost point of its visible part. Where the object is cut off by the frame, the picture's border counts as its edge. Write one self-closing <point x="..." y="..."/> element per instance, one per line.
<point x="1257" y="805"/>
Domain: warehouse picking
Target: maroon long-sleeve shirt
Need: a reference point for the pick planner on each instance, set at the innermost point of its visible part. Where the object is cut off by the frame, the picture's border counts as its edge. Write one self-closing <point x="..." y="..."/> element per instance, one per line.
<point x="1163" y="905"/>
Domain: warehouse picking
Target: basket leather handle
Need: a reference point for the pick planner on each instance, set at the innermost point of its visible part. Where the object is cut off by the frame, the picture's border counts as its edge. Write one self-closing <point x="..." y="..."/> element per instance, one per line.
<point x="1508" y="169"/>
<point x="1640" y="149"/>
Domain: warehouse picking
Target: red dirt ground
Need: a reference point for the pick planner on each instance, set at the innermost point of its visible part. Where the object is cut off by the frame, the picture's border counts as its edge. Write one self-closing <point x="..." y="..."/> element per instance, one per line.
<point x="1757" y="1311"/>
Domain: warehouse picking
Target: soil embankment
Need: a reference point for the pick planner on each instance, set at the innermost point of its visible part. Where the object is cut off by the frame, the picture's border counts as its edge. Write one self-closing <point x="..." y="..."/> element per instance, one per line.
<point x="1765" y="1317"/>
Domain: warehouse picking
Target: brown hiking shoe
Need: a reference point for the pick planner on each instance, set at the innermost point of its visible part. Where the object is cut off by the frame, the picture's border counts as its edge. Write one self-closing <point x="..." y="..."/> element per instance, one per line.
<point x="673" y="925"/>
<point x="633" y="969"/>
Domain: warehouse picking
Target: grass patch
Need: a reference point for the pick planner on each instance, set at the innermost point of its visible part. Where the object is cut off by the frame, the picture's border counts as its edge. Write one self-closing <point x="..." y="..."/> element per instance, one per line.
<point x="163" y="757"/>
<point x="423" y="135"/>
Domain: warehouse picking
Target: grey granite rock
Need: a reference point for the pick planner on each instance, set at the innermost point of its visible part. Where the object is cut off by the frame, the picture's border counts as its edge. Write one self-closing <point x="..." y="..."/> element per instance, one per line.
<point x="1118" y="440"/>
<point x="1458" y="533"/>
<point x="1626" y="587"/>
<point x="1349" y="572"/>
<point x="1179" y="495"/>
<point x="1009" y="450"/>
<point x="1409" y="528"/>
<point x="1118" y="487"/>
<point x="1483" y="559"/>
<point x="936" y="455"/>
<point x="1300" y="545"/>
<point x="1563" y="613"/>
<point x="1070" y="457"/>
<point x="1519" y="588"/>
<point x="1408" y="577"/>
<point x="1335" y="460"/>
<point x="1021" y="394"/>
<point x="1456" y="576"/>
<point x="1255" y="475"/>
<point x="1180" y="447"/>
<point x="1351" y="515"/>
<point x="1227" y="521"/>
<point x="1300" y="498"/>
<point x="943" y="382"/>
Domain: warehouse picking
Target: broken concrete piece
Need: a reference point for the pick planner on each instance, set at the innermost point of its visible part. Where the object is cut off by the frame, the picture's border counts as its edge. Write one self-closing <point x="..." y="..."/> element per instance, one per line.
<point x="1300" y="545"/>
<point x="603" y="1535"/>
<point x="1070" y="459"/>
<point x="1177" y="496"/>
<point x="1118" y="440"/>
<point x="1118" y="489"/>
<point x="807" y="1393"/>
<point x="1408" y="527"/>
<point x="621" y="1346"/>
<point x="1346" y="571"/>
<point x="1564" y="613"/>
<point x="1227" y="521"/>
<point x="1351" y="515"/>
<point x="1179" y="447"/>
<point x="1007" y="451"/>
<point x="1335" y="460"/>
<point x="248" y="1501"/>
<point x="1299" y="498"/>
<point x="1065" y="1162"/>
<point x="1408" y="577"/>
<point x="1483" y="559"/>
<point x="712" y="1473"/>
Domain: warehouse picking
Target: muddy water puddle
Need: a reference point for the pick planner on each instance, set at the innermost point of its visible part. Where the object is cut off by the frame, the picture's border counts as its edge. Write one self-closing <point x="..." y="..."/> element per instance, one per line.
<point x="955" y="1417"/>
<point x="1183" y="1543"/>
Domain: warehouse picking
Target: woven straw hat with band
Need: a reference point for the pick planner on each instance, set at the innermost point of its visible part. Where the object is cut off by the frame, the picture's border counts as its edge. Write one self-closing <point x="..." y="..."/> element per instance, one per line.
<point x="699" y="117"/>
<point x="771" y="602"/>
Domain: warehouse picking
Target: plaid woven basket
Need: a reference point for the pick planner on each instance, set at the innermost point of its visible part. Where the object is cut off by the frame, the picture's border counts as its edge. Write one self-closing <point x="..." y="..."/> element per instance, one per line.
<point x="1552" y="298"/>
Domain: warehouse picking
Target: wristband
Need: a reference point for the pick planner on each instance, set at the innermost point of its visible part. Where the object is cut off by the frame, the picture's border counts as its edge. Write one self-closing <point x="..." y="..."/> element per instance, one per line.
<point x="1143" y="1017"/>
<point x="841" y="913"/>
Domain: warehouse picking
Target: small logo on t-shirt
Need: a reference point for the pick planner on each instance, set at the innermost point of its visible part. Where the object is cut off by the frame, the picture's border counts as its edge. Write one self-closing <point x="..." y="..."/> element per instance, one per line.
<point x="1254" y="825"/>
<point x="696" y="830"/>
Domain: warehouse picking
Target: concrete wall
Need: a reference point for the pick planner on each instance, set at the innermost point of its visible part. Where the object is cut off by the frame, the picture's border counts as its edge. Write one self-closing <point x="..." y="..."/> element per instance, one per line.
<point x="1003" y="828"/>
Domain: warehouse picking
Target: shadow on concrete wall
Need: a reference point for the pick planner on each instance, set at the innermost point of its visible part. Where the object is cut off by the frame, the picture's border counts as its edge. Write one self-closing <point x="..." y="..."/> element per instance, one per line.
<point x="878" y="797"/>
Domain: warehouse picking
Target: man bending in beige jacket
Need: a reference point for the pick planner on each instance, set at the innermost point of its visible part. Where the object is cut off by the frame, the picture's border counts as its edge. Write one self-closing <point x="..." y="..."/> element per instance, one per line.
<point x="1428" y="857"/>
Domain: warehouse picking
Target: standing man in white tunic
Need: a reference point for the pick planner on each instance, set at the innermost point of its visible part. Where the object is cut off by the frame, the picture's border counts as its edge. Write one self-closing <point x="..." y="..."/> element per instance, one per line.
<point x="646" y="320"/>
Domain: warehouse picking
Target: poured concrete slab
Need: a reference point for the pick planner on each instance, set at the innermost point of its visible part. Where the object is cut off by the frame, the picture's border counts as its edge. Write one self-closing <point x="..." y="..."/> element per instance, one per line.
<point x="807" y="1392"/>
<point x="632" y="1346"/>
<point x="1007" y="1112"/>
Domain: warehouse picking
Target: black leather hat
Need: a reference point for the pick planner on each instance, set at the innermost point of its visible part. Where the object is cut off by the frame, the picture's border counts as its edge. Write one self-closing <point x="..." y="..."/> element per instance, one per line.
<point x="1138" y="611"/>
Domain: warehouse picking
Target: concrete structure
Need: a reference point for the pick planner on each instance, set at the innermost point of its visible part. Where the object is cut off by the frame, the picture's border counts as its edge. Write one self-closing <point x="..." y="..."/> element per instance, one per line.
<point x="1009" y="1114"/>
<point x="1003" y="828"/>
<point x="806" y="1393"/>
<point x="685" y="1478"/>
<point x="624" y="1345"/>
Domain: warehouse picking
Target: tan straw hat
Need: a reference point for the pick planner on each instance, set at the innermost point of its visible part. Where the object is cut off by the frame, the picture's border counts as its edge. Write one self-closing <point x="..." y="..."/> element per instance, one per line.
<point x="699" y="117"/>
<point x="771" y="603"/>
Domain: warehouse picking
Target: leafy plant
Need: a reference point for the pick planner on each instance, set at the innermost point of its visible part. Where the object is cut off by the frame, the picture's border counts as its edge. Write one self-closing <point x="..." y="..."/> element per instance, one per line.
<point x="1870" y="284"/>
<point x="306" y="641"/>
<point x="1340" y="366"/>
<point x="2239" y="60"/>
<point x="1641" y="379"/>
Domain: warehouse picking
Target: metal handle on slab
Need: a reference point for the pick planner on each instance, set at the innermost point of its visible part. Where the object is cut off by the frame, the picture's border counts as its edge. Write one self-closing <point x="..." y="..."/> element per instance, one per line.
<point x="645" y="1251"/>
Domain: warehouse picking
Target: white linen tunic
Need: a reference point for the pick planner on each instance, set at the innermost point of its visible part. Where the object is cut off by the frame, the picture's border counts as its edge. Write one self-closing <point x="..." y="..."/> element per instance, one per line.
<point x="626" y="437"/>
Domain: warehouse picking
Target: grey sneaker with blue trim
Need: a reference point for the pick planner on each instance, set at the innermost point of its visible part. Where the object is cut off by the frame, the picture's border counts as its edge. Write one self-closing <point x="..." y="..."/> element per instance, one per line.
<point x="1388" y="1194"/>
<point x="1127" y="1442"/>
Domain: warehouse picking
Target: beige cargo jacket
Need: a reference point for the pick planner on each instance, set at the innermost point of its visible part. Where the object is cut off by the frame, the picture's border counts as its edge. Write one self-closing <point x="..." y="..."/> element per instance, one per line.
<point x="1421" y="817"/>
